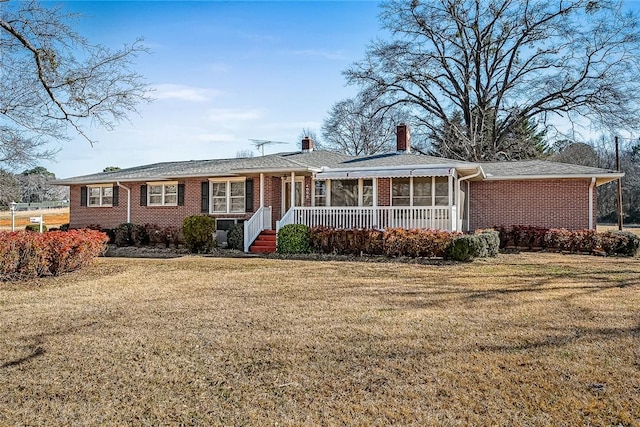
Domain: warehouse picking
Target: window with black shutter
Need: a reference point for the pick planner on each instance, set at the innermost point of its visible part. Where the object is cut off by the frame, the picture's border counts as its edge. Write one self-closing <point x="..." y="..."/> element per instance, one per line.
<point x="205" y="197"/>
<point x="83" y="196"/>
<point x="116" y="193"/>
<point x="180" y="194"/>
<point x="143" y="195"/>
<point x="249" y="195"/>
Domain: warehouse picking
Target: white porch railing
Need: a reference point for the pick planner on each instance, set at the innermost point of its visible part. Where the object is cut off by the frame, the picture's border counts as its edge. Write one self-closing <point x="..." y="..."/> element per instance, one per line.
<point x="440" y="218"/>
<point x="261" y="220"/>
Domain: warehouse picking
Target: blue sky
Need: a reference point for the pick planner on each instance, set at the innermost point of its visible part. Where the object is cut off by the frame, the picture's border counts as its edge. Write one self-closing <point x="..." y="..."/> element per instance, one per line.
<point x="223" y="73"/>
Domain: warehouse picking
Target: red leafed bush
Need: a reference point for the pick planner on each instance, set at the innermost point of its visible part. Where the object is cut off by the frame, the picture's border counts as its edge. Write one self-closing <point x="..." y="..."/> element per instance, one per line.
<point x="27" y="255"/>
<point x="392" y="242"/>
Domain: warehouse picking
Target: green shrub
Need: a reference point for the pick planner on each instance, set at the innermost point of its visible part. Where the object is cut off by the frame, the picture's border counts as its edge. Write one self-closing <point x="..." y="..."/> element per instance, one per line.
<point x="198" y="232"/>
<point x="294" y="239"/>
<point x="64" y="227"/>
<point x="129" y="234"/>
<point x="235" y="237"/>
<point x="35" y="227"/>
<point x="464" y="248"/>
<point x="490" y="243"/>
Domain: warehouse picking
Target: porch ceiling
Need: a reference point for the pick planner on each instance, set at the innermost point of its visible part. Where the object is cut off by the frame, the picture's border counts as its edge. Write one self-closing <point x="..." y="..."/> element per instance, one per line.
<point x="384" y="173"/>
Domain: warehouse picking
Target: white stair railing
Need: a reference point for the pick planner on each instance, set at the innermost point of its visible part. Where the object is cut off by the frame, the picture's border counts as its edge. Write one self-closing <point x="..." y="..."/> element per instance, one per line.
<point x="261" y="220"/>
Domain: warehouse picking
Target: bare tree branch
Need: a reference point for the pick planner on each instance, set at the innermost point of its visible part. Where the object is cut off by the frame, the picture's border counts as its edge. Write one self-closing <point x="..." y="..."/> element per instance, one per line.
<point x="53" y="80"/>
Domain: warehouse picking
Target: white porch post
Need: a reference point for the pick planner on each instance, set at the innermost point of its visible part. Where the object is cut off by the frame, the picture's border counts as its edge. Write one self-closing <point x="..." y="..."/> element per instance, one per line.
<point x="262" y="190"/>
<point x="452" y="215"/>
<point x="293" y="189"/>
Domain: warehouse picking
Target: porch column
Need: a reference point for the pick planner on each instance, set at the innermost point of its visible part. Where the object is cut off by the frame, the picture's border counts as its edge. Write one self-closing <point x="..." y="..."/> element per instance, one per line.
<point x="293" y="189"/>
<point x="262" y="190"/>
<point x="453" y="221"/>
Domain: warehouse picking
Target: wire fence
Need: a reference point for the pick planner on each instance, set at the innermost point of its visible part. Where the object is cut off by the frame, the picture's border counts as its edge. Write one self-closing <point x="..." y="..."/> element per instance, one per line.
<point x="56" y="204"/>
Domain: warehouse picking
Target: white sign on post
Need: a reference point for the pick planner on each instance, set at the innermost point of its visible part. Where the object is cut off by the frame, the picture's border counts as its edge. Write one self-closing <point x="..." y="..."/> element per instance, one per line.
<point x="37" y="220"/>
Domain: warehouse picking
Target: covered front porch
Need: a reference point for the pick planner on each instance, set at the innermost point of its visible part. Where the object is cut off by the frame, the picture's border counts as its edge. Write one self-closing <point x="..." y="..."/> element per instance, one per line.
<point x="410" y="198"/>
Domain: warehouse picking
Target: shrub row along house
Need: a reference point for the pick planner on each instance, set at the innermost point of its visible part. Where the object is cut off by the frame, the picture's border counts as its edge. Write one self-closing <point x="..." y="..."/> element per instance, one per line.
<point x="403" y="189"/>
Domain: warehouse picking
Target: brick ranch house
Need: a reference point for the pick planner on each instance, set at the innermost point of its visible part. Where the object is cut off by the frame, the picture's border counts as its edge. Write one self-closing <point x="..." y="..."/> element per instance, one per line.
<point x="313" y="187"/>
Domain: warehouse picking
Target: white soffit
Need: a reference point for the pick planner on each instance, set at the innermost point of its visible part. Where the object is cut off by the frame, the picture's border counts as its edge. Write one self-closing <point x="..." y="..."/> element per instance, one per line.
<point x="384" y="173"/>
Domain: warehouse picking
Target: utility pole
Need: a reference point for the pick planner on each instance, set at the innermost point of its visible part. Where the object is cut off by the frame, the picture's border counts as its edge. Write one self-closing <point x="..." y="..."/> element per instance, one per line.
<point x="619" y="186"/>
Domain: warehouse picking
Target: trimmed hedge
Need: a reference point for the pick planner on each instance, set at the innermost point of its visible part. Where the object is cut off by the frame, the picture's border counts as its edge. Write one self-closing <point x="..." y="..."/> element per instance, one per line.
<point x="393" y="242"/>
<point x="294" y="239"/>
<point x="620" y="243"/>
<point x="27" y="255"/>
<point x="198" y="232"/>
<point x="481" y="245"/>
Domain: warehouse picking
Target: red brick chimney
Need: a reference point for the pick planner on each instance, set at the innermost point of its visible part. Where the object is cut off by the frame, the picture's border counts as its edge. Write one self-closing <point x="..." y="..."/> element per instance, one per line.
<point x="403" y="138"/>
<point x="307" y="144"/>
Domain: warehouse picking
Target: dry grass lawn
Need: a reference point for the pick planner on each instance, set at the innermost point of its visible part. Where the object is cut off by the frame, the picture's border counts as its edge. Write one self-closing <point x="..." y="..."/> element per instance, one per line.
<point x="528" y="339"/>
<point x="51" y="217"/>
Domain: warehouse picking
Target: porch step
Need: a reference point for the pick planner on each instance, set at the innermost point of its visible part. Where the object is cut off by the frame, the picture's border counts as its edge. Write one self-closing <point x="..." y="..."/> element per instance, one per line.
<point x="265" y="243"/>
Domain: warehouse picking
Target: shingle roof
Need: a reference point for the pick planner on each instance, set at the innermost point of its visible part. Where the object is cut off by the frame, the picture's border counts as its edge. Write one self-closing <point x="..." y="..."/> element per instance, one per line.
<point x="538" y="168"/>
<point x="316" y="160"/>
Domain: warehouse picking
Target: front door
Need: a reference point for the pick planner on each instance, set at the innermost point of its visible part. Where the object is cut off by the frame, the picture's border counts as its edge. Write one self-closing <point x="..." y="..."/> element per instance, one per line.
<point x="299" y="186"/>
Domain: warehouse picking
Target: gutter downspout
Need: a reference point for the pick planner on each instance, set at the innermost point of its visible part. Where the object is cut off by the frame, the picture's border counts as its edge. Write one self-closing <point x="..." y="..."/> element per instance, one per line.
<point x="128" y="200"/>
<point x="460" y="208"/>
<point x="591" y="187"/>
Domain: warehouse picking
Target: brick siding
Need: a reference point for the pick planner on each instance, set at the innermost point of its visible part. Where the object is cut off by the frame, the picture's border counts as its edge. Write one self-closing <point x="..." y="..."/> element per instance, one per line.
<point x="560" y="203"/>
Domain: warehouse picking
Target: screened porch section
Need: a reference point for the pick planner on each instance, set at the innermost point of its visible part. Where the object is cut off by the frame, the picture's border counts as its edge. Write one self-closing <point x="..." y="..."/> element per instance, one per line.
<point x="406" y="199"/>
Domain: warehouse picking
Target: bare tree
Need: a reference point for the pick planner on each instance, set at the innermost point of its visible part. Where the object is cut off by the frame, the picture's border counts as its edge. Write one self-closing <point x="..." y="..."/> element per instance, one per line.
<point x="36" y="187"/>
<point x="243" y="154"/>
<point x="53" y="80"/>
<point x="360" y="126"/>
<point x="505" y="64"/>
<point x="9" y="188"/>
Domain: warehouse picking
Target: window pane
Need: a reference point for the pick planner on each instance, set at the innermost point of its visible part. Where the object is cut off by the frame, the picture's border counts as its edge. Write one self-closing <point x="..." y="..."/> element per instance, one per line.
<point x="219" y="204"/>
<point x="442" y="191"/>
<point x="237" y="189"/>
<point x="171" y="189"/>
<point x="170" y="199"/>
<point x="422" y="191"/>
<point x="155" y="199"/>
<point x="219" y="189"/>
<point x="367" y="192"/>
<point x="107" y="196"/>
<point x="94" y="196"/>
<point x="237" y="204"/>
<point x="321" y="193"/>
<point x="155" y="189"/>
<point x="344" y="192"/>
<point x="400" y="192"/>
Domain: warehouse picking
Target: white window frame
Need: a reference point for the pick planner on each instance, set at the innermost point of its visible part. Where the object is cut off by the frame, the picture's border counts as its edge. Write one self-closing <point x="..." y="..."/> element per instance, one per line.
<point x="163" y="195"/>
<point x="100" y="204"/>
<point x="228" y="196"/>
<point x="433" y="191"/>
<point x="360" y="190"/>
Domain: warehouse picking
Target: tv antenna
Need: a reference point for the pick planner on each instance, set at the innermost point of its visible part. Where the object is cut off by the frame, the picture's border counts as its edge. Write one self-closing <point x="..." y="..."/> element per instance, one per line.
<point x="260" y="143"/>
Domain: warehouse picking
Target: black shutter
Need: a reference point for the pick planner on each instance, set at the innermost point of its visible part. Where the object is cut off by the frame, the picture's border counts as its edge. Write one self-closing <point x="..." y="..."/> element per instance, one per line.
<point x="180" y="194"/>
<point x="143" y="195"/>
<point x="116" y="194"/>
<point x="205" y="197"/>
<point x="248" y="195"/>
<point x="83" y="196"/>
